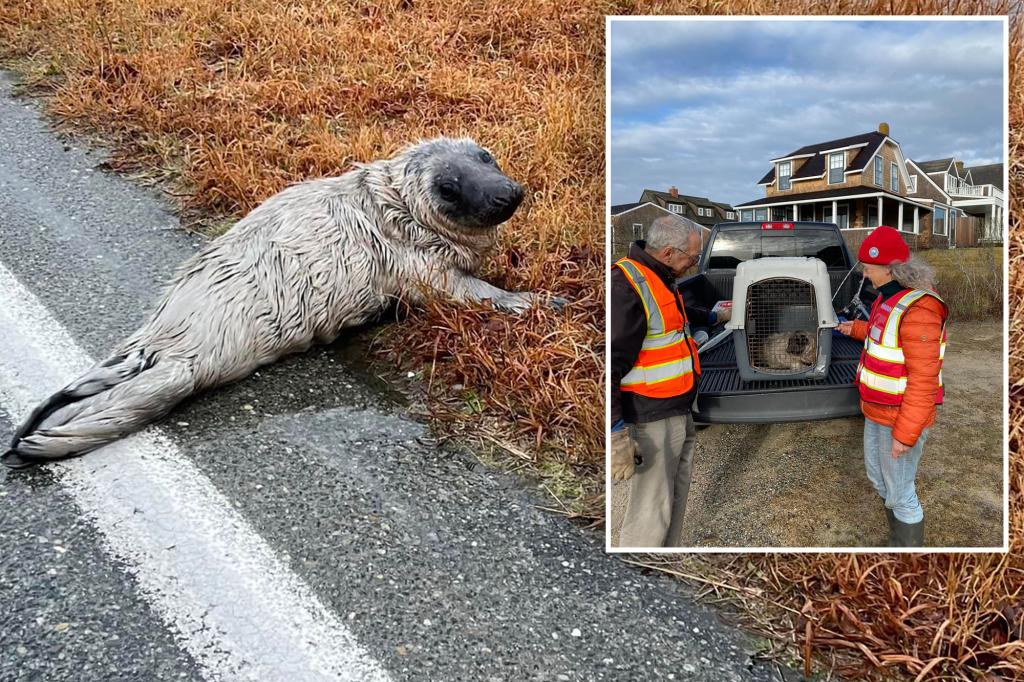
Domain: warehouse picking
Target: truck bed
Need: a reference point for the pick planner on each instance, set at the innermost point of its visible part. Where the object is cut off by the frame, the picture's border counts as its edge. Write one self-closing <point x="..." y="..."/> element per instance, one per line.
<point x="724" y="398"/>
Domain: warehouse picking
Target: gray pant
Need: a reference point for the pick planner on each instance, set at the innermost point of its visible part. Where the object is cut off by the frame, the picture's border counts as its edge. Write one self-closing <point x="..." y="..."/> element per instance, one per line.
<point x="659" y="487"/>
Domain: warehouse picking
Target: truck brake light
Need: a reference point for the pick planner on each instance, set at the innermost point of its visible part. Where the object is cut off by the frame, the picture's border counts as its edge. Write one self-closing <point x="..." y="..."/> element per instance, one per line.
<point x="776" y="226"/>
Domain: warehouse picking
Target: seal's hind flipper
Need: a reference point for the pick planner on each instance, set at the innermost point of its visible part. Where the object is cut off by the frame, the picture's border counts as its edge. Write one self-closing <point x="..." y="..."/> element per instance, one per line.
<point x="112" y="371"/>
<point x="78" y="426"/>
<point x="12" y="460"/>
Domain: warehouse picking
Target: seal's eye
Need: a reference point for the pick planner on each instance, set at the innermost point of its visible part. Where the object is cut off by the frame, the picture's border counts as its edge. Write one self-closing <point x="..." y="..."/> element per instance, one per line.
<point x="486" y="157"/>
<point x="448" y="191"/>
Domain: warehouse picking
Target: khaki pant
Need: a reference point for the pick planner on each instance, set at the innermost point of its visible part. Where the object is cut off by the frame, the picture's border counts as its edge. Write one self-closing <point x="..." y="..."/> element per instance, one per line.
<point x="659" y="487"/>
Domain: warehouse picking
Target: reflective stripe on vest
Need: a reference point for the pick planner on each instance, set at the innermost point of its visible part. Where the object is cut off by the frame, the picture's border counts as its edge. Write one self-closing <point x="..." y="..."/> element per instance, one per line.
<point x="882" y="372"/>
<point x="665" y="366"/>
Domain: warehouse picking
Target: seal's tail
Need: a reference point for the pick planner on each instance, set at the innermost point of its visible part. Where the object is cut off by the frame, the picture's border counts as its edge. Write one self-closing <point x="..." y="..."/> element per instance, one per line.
<point x="117" y="397"/>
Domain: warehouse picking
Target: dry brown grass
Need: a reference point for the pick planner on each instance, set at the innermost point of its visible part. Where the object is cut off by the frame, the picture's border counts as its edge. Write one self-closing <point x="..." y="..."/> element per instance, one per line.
<point x="233" y="100"/>
<point x="970" y="280"/>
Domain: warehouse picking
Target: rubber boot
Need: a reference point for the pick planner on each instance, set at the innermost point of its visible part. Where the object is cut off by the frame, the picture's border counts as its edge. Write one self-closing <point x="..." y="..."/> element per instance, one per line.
<point x="908" y="534"/>
<point x="891" y="518"/>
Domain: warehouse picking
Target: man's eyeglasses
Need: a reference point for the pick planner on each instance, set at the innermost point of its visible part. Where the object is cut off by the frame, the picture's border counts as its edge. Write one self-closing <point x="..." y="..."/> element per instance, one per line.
<point x="691" y="258"/>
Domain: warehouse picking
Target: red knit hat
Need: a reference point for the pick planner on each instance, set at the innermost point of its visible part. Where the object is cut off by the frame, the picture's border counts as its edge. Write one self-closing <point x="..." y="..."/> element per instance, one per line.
<point x="884" y="246"/>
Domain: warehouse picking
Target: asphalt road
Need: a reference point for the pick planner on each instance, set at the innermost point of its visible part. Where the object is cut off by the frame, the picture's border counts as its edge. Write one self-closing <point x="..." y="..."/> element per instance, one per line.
<point x="360" y="550"/>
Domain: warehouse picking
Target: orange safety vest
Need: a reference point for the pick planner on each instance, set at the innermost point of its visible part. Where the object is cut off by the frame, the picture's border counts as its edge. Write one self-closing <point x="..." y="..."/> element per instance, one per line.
<point x="667" y="362"/>
<point x="882" y="372"/>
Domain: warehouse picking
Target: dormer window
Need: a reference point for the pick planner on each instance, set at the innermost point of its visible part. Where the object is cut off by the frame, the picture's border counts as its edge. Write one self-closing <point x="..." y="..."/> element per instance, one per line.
<point x="894" y="177"/>
<point x="836" y="166"/>
<point x="675" y="208"/>
<point x="878" y="172"/>
<point x="785" y="170"/>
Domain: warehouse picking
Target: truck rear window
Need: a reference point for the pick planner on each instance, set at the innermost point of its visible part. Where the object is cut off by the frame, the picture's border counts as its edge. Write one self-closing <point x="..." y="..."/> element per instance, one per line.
<point x="732" y="247"/>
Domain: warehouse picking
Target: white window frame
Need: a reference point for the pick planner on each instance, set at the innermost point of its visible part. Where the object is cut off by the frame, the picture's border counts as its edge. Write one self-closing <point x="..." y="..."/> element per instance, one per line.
<point x="638" y="233"/>
<point x="879" y="172"/>
<point x="750" y="214"/>
<point x="842" y="208"/>
<point x="788" y="165"/>
<point x="894" y="177"/>
<point x="945" y="219"/>
<point x="951" y="223"/>
<point x="912" y="189"/>
<point x="730" y="215"/>
<point x="675" y="208"/>
<point x="841" y="167"/>
<point x="763" y="219"/>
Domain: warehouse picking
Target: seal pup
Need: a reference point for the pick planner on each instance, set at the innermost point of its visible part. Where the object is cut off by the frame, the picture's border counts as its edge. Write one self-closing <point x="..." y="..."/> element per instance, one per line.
<point x="317" y="257"/>
<point x="789" y="350"/>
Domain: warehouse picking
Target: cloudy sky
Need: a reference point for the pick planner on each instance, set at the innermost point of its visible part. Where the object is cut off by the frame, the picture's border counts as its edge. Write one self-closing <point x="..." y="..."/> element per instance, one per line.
<point x="704" y="105"/>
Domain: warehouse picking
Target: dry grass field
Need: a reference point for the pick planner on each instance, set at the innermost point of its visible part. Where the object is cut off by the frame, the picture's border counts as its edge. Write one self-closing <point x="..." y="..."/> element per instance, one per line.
<point x="227" y="102"/>
<point x="970" y="281"/>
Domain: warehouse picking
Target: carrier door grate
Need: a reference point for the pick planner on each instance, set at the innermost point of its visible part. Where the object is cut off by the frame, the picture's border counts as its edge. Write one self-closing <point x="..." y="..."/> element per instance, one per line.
<point x="781" y="325"/>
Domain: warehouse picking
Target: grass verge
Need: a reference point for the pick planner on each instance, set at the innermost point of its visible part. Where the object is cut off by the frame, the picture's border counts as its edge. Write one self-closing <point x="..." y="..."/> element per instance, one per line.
<point x="970" y="280"/>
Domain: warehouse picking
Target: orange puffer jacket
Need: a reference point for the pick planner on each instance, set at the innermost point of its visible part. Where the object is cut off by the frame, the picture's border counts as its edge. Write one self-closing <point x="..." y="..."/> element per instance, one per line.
<point x="920" y="332"/>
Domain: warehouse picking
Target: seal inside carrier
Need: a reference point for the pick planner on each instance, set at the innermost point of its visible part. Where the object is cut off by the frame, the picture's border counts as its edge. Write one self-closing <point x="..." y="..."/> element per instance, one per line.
<point x="782" y="319"/>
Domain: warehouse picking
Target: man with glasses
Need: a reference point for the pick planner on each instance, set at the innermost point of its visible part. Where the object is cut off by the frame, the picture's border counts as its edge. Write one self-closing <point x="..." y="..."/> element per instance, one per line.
<point x="654" y="371"/>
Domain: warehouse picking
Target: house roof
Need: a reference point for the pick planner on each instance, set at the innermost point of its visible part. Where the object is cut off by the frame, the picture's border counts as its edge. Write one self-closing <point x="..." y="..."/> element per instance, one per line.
<point x="935" y="165"/>
<point x="622" y="208"/>
<point x="637" y="206"/>
<point x="815" y="165"/>
<point x="822" y="194"/>
<point x="989" y="174"/>
<point x="681" y="198"/>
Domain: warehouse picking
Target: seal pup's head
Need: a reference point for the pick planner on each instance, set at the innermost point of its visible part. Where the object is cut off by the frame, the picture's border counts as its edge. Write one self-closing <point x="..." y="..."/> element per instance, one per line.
<point x="798" y="342"/>
<point x="456" y="183"/>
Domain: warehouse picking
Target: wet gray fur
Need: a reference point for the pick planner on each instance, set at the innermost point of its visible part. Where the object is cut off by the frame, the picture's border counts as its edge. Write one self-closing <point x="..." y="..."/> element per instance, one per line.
<point x="316" y="258"/>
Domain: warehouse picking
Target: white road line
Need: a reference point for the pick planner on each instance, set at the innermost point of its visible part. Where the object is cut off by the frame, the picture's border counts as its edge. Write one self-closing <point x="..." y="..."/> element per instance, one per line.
<point x="235" y="607"/>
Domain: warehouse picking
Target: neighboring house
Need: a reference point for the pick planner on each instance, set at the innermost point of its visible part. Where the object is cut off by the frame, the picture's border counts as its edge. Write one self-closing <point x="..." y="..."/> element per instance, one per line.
<point x="976" y="191"/>
<point x="631" y="222"/>
<point x="700" y="210"/>
<point x="861" y="182"/>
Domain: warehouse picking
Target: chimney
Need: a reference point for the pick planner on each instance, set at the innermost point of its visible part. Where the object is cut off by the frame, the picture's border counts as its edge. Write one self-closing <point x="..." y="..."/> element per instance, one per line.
<point x="673" y="191"/>
<point x="883" y="128"/>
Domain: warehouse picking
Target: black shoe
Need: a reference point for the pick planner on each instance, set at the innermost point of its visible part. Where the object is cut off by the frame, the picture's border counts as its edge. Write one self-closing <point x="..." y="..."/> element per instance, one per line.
<point x="908" y="534"/>
<point x="12" y="460"/>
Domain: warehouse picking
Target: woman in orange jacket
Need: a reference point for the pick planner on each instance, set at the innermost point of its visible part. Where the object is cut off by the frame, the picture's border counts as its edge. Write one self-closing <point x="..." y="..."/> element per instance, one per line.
<point x="899" y="377"/>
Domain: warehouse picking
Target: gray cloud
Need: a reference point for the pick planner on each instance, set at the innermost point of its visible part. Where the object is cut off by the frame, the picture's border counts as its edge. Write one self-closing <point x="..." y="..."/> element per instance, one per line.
<point x="705" y="105"/>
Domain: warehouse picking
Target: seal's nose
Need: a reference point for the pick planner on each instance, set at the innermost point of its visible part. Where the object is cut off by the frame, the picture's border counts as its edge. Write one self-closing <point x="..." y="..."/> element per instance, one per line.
<point x="510" y="197"/>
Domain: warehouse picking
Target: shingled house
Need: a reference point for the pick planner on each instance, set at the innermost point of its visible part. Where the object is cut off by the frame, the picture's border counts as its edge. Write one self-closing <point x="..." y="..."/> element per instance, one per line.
<point x="860" y="182"/>
<point x="976" y="191"/>
<point x="631" y="222"/>
<point x="700" y="210"/>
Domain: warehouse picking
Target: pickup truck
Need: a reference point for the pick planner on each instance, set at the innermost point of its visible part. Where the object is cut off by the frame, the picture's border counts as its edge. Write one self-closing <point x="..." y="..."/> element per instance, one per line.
<point x="722" y="397"/>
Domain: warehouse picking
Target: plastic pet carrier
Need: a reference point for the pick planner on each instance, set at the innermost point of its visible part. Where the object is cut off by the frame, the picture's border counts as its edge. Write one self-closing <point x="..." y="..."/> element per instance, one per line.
<point x="782" y="319"/>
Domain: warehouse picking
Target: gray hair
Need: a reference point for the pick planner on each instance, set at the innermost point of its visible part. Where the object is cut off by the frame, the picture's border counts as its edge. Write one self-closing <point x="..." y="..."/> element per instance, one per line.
<point x="671" y="231"/>
<point x="915" y="274"/>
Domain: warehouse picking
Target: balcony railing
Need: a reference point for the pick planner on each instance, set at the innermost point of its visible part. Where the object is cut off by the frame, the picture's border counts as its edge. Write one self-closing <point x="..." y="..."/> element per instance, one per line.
<point x="960" y="189"/>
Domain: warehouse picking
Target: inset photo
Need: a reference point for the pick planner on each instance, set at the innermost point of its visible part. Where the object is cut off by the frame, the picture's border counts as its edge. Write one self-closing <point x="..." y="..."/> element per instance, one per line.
<point x="807" y="313"/>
